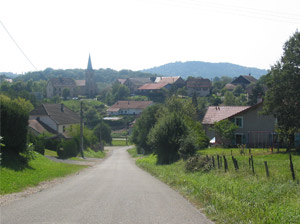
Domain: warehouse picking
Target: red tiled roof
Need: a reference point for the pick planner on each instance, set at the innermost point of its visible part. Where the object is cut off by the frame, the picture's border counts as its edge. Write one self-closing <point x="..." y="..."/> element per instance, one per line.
<point x="215" y="114"/>
<point x="130" y="105"/>
<point x="153" y="86"/>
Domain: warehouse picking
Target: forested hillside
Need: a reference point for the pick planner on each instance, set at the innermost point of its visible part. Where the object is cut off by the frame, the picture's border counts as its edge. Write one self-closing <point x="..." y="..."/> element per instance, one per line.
<point x="101" y="75"/>
<point x="204" y="69"/>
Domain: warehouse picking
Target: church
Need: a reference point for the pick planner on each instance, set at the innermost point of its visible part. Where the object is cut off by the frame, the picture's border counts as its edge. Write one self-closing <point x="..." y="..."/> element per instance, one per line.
<point x="87" y="87"/>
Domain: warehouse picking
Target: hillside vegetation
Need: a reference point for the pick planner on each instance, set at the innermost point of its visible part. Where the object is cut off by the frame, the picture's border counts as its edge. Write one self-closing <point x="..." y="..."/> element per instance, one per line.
<point x="204" y="69"/>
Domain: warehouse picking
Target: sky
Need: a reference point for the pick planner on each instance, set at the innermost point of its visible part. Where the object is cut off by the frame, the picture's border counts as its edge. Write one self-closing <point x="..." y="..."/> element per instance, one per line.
<point x="140" y="34"/>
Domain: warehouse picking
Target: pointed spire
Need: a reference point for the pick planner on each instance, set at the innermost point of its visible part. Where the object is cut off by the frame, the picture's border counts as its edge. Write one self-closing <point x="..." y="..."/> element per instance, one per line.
<point x="89" y="67"/>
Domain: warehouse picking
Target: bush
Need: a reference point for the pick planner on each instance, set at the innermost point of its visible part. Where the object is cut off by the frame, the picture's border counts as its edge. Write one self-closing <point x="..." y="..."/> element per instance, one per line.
<point x="14" y="123"/>
<point x="198" y="163"/>
<point x="165" y="137"/>
<point x="187" y="147"/>
<point x="67" y="149"/>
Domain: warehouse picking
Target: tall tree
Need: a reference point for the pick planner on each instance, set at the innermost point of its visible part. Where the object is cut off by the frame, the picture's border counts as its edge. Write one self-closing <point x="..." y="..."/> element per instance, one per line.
<point x="283" y="81"/>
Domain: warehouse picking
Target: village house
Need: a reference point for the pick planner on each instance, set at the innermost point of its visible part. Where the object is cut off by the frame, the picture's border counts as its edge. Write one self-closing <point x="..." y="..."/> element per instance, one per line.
<point x="200" y="86"/>
<point x="128" y="107"/>
<point x="88" y="87"/>
<point x="176" y="81"/>
<point x="244" y="80"/>
<point x="254" y="129"/>
<point x="153" y="87"/>
<point x="53" y="118"/>
<point x="134" y="83"/>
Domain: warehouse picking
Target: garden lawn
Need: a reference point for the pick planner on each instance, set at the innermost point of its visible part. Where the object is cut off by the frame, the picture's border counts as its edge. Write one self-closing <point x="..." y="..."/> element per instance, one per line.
<point x="237" y="196"/>
<point x="120" y="142"/>
<point x="39" y="170"/>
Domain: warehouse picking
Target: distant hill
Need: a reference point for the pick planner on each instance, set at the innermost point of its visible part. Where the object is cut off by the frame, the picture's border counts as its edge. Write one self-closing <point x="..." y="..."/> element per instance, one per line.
<point x="9" y="75"/>
<point x="204" y="69"/>
<point x="101" y="75"/>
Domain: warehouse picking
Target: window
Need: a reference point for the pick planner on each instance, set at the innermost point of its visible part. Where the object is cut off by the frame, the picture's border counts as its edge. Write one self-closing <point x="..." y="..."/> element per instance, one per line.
<point x="238" y="121"/>
<point x="239" y="139"/>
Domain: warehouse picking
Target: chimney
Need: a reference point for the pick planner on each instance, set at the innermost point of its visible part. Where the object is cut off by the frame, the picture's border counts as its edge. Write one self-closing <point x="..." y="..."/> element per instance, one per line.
<point x="62" y="107"/>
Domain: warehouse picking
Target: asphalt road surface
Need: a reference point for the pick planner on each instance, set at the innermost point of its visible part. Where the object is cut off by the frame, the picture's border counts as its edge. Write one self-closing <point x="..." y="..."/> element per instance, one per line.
<point x="114" y="191"/>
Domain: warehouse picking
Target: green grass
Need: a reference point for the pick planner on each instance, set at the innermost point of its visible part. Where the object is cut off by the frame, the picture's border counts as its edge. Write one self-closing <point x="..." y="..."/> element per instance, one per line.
<point x="75" y="104"/>
<point x="39" y="170"/>
<point x="133" y="152"/>
<point x="237" y="196"/>
<point x="92" y="154"/>
<point x="120" y="142"/>
<point x="50" y="153"/>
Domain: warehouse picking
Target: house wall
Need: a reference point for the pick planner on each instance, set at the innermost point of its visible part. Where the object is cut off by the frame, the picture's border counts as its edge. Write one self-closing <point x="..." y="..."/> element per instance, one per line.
<point x="256" y="128"/>
<point x="62" y="127"/>
<point x="130" y="111"/>
<point x="49" y="90"/>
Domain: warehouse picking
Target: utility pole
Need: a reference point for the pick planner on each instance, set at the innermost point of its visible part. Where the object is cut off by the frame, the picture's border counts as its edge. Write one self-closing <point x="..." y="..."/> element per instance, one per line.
<point x="81" y="131"/>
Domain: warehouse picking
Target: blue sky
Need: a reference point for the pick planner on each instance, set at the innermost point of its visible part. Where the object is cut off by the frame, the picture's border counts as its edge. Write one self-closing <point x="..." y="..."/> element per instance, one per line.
<point x="139" y="34"/>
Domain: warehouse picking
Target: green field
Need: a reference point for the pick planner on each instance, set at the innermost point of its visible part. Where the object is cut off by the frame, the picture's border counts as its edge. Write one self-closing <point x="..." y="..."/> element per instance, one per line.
<point x="238" y="196"/>
<point x="120" y="142"/>
<point x="39" y="170"/>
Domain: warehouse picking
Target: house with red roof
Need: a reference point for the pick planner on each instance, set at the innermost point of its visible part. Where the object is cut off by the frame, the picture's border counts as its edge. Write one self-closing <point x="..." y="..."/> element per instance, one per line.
<point x="254" y="129"/>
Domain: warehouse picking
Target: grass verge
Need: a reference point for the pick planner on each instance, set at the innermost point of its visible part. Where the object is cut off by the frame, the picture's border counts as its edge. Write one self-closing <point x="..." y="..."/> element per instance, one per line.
<point x="133" y="152"/>
<point x="236" y="196"/>
<point x="120" y="142"/>
<point x="39" y="170"/>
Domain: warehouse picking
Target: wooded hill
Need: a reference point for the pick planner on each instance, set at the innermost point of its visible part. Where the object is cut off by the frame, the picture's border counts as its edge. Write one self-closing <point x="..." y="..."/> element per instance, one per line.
<point x="101" y="75"/>
<point x="204" y="69"/>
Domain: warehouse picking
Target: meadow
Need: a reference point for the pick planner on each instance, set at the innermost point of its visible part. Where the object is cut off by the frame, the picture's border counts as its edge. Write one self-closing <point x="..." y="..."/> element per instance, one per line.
<point x="237" y="196"/>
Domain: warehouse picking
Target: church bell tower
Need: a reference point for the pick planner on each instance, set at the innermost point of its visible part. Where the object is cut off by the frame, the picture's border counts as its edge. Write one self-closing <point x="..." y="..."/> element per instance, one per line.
<point x="90" y="84"/>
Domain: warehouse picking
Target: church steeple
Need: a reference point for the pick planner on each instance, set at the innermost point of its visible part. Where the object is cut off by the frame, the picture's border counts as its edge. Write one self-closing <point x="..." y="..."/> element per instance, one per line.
<point x="89" y="67"/>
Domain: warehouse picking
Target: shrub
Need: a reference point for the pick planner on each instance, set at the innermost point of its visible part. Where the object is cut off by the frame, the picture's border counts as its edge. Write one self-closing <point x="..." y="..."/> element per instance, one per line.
<point x="198" y="163"/>
<point x="165" y="137"/>
<point x="187" y="147"/>
<point x="67" y="149"/>
<point x="14" y="122"/>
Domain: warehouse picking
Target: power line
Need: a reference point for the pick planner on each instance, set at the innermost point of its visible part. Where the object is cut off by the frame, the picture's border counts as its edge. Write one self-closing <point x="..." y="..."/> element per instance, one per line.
<point x="235" y="10"/>
<point x="18" y="46"/>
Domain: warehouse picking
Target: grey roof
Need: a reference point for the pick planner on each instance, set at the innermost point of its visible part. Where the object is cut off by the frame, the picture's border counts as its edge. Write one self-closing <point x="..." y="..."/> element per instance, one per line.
<point x="89" y="67"/>
<point x="62" y="82"/>
<point x="55" y="112"/>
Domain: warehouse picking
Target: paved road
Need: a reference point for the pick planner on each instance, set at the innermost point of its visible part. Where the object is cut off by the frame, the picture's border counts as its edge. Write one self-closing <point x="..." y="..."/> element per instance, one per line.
<point x="114" y="191"/>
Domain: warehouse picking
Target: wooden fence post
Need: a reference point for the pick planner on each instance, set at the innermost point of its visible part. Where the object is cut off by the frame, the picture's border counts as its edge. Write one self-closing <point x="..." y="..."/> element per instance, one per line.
<point x="225" y="164"/>
<point x="267" y="169"/>
<point x="252" y="164"/>
<point x="218" y="158"/>
<point x="292" y="168"/>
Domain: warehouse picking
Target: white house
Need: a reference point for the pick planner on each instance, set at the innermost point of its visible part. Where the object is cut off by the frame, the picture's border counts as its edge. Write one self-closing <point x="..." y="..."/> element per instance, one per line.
<point x="128" y="107"/>
<point x="56" y="117"/>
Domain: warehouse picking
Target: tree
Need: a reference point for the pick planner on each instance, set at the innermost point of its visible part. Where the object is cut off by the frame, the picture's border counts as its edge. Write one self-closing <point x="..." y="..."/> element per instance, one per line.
<point x="142" y="128"/>
<point x="166" y="137"/>
<point x="229" y="99"/>
<point x="66" y="93"/>
<point x="283" y="81"/>
<point x="14" y="123"/>
<point x="225" y="131"/>
<point x="103" y="132"/>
